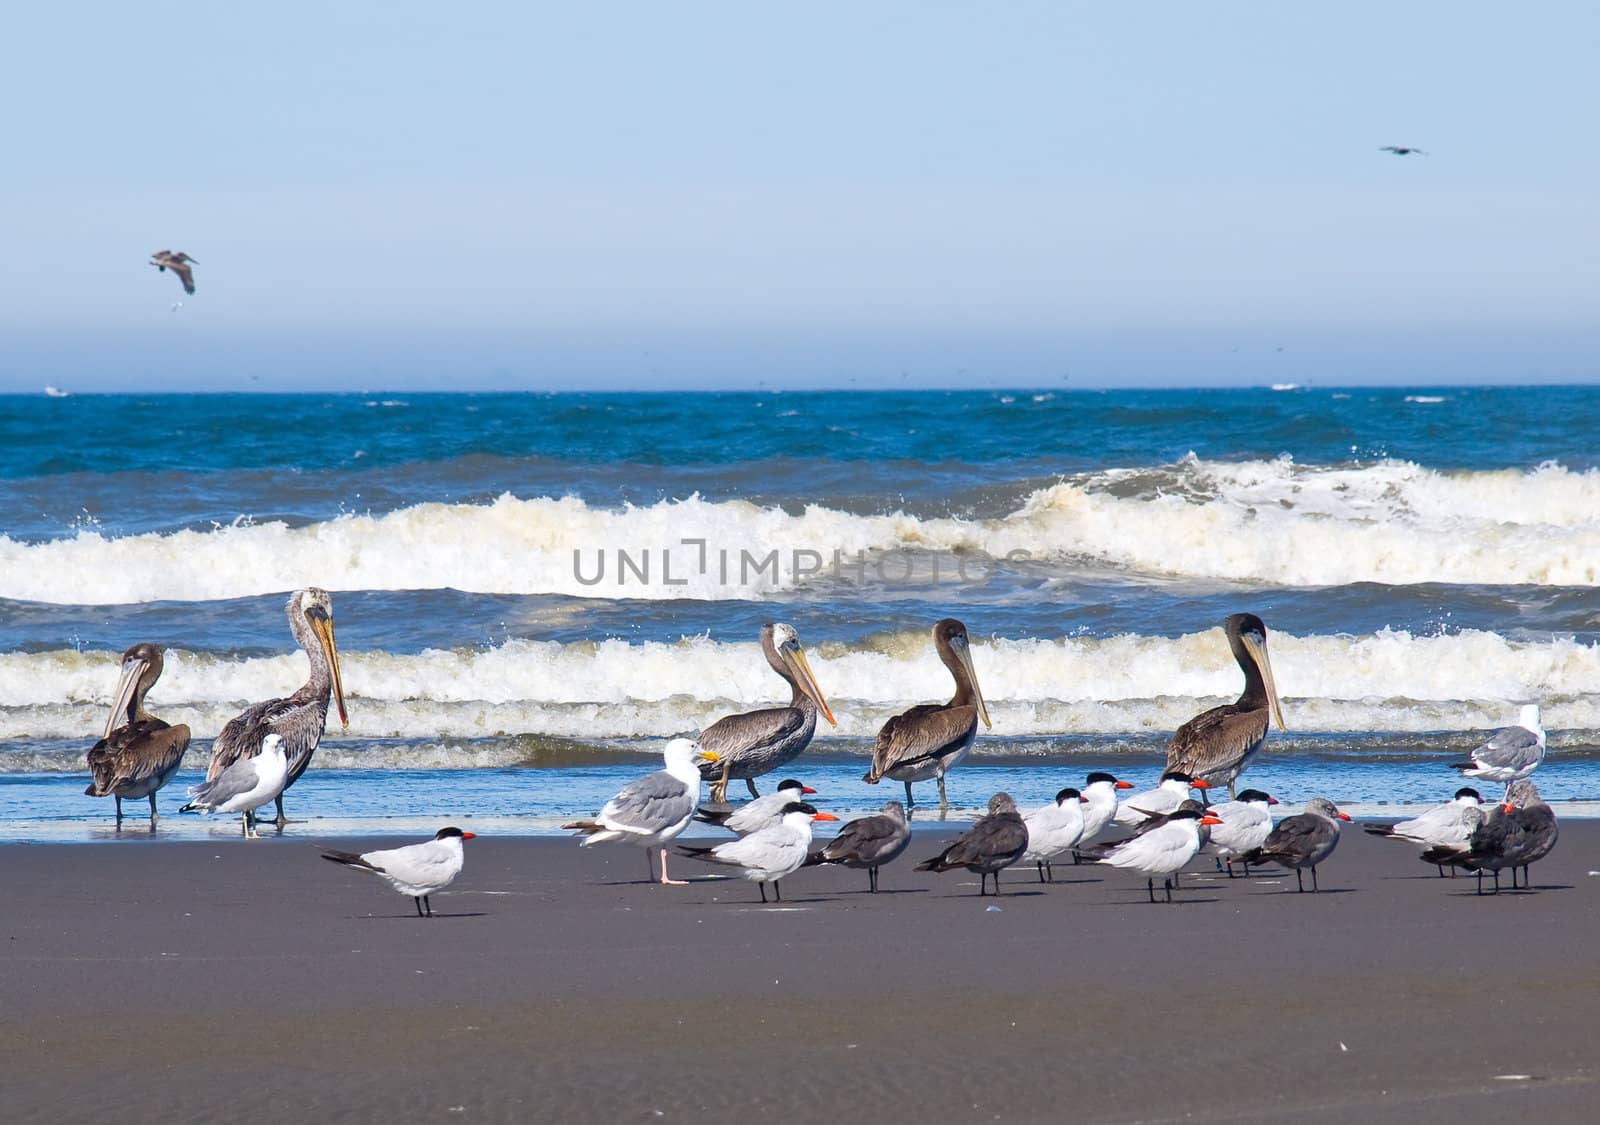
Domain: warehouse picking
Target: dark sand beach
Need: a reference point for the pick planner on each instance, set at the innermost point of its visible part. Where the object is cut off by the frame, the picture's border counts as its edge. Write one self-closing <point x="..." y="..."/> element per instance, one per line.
<point x="201" y="981"/>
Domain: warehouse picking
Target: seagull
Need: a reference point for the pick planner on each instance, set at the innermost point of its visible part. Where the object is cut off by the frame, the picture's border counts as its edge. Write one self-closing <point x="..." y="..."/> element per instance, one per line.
<point x="1402" y="150"/>
<point x="1100" y="805"/>
<point x="752" y="816"/>
<point x="1448" y="825"/>
<point x="1163" y="848"/>
<point x="1510" y="754"/>
<point x="245" y="786"/>
<point x="1246" y="823"/>
<point x="418" y="870"/>
<point x="1164" y="798"/>
<point x="178" y="263"/>
<point x="1515" y="834"/>
<point x="867" y="842"/>
<point x="767" y="854"/>
<point x="996" y="841"/>
<point x="1302" y="841"/>
<point x="1054" y="830"/>
<point x="654" y="809"/>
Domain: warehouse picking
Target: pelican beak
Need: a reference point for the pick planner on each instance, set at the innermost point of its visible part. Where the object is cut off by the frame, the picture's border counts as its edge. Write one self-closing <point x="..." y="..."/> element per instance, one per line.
<point x="964" y="654"/>
<point x="122" y="698"/>
<point x="708" y="756"/>
<point x="824" y="816"/>
<point x="1257" y="648"/>
<point x="322" y="627"/>
<point x="795" y="658"/>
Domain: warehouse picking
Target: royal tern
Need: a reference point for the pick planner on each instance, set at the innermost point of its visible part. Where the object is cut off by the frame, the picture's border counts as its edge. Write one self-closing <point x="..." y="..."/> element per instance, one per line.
<point x="1510" y="754"/>
<point x="1447" y="825"/>
<point x="1100" y="807"/>
<point x="1302" y="841"/>
<point x="244" y="786"/>
<point x="1515" y="834"/>
<point x="418" y="870"/>
<point x="752" y="816"/>
<point x="868" y="842"/>
<point x="1053" y="830"/>
<point x="995" y="842"/>
<point x="768" y="854"/>
<point x="1246" y="824"/>
<point x="1172" y="791"/>
<point x="653" y="810"/>
<point x="1162" y="848"/>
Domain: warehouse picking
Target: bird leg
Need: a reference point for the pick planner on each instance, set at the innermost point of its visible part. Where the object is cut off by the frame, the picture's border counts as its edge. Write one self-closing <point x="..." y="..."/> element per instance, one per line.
<point x="427" y="905"/>
<point x="944" y="802"/>
<point x="118" y="800"/>
<point x="1040" y="864"/>
<point x="650" y="863"/>
<point x="154" y="816"/>
<point x="671" y="882"/>
<point x="1150" y="886"/>
<point x="1299" y="883"/>
<point x="997" y="884"/>
<point x="1167" y="886"/>
<point x="754" y="792"/>
<point x="281" y="820"/>
<point x="762" y="887"/>
<point x="777" y="890"/>
<point x="1314" y="888"/>
<point x="872" y="880"/>
<point x="909" y="801"/>
<point x="418" y="900"/>
<point x="719" y="788"/>
<point x="1230" y="869"/>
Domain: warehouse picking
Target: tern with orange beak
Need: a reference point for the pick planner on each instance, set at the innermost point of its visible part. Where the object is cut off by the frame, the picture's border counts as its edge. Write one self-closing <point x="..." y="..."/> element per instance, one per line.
<point x="418" y="870"/>
<point x="767" y="855"/>
<point x="752" y="816"/>
<point x="299" y="719"/>
<point x="930" y="739"/>
<point x="1172" y="791"/>
<point x="1216" y="745"/>
<point x="759" y="742"/>
<point x="1164" y="849"/>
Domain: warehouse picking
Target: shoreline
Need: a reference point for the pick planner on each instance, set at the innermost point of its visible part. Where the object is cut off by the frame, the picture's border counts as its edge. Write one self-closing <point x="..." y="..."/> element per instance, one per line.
<point x="218" y="977"/>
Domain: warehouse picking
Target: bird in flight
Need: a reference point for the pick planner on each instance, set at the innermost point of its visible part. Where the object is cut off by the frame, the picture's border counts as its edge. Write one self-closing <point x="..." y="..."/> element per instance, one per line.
<point x="1402" y="150"/>
<point x="178" y="263"/>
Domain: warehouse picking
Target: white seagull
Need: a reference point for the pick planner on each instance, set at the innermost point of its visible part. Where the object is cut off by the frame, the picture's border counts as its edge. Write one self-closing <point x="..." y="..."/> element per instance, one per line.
<point x="1054" y="830"/>
<point x="244" y="786"/>
<point x="653" y="810"/>
<point x="418" y="870"/>
<point x="754" y="815"/>
<point x="1163" y="850"/>
<point x="1246" y="823"/>
<point x="770" y="853"/>
<point x="1510" y="754"/>
<point x="1448" y="825"/>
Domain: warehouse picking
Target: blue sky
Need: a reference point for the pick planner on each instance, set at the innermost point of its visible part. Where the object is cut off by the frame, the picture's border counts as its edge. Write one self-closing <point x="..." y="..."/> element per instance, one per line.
<point x="711" y="195"/>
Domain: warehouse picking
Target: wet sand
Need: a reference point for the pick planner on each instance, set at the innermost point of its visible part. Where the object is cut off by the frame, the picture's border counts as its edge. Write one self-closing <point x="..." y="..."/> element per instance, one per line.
<point x="190" y="981"/>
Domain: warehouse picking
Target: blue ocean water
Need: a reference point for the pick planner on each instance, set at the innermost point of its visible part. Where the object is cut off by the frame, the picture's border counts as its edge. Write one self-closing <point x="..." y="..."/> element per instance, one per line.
<point x="533" y="590"/>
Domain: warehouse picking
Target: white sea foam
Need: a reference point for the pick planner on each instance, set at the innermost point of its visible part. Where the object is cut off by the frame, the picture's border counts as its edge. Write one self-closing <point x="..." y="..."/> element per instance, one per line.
<point x="1271" y="522"/>
<point x="1390" y="681"/>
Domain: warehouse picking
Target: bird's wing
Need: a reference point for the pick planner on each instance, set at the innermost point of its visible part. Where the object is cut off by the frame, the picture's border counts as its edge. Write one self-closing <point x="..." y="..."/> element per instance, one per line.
<point x="295" y="721"/>
<point x="756" y="813"/>
<point x="155" y="749"/>
<point x="241" y="777"/>
<point x="1512" y="748"/>
<point x="185" y="275"/>
<point x="1214" y="740"/>
<point x="920" y="733"/>
<point x="993" y="836"/>
<point x="649" y="805"/>
<point x="1152" y="850"/>
<point x="867" y="838"/>
<point x="415" y="864"/>
<point x="1296" y="835"/>
<point x="731" y="735"/>
<point x="1442" y="824"/>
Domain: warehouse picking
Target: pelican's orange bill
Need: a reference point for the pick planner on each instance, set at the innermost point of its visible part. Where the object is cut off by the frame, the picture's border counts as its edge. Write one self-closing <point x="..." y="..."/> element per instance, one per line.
<point x="824" y="816"/>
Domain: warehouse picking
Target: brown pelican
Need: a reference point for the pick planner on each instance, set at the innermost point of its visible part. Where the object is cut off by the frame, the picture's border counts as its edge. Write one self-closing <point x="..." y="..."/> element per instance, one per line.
<point x="178" y="263"/>
<point x="759" y="742"/>
<point x="138" y="757"/>
<point x="301" y="717"/>
<point x="928" y="740"/>
<point x="1216" y="745"/>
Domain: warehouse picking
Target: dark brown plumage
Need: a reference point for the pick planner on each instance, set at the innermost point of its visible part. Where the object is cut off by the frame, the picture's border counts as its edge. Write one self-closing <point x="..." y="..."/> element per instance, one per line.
<point x="139" y="753"/>
<point x="1216" y="745"/>
<point x="996" y="841"/>
<point x="178" y="263"/>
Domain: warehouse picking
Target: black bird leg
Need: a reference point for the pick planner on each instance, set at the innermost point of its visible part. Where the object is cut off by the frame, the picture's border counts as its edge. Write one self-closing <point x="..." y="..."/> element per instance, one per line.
<point x="1150" y="886"/>
<point x="416" y="899"/>
<point x="1314" y="887"/>
<point x="1299" y="884"/>
<point x="1041" y="870"/>
<point x="751" y="782"/>
<point x="777" y="889"/>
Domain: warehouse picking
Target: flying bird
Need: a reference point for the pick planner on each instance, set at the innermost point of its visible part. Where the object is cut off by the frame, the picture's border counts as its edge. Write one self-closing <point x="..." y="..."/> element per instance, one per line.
<point x="178" y="263"/>
<point x="418" y="870"/>
<point x="1402" y="150"/>
<point x="139" y="753"/>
